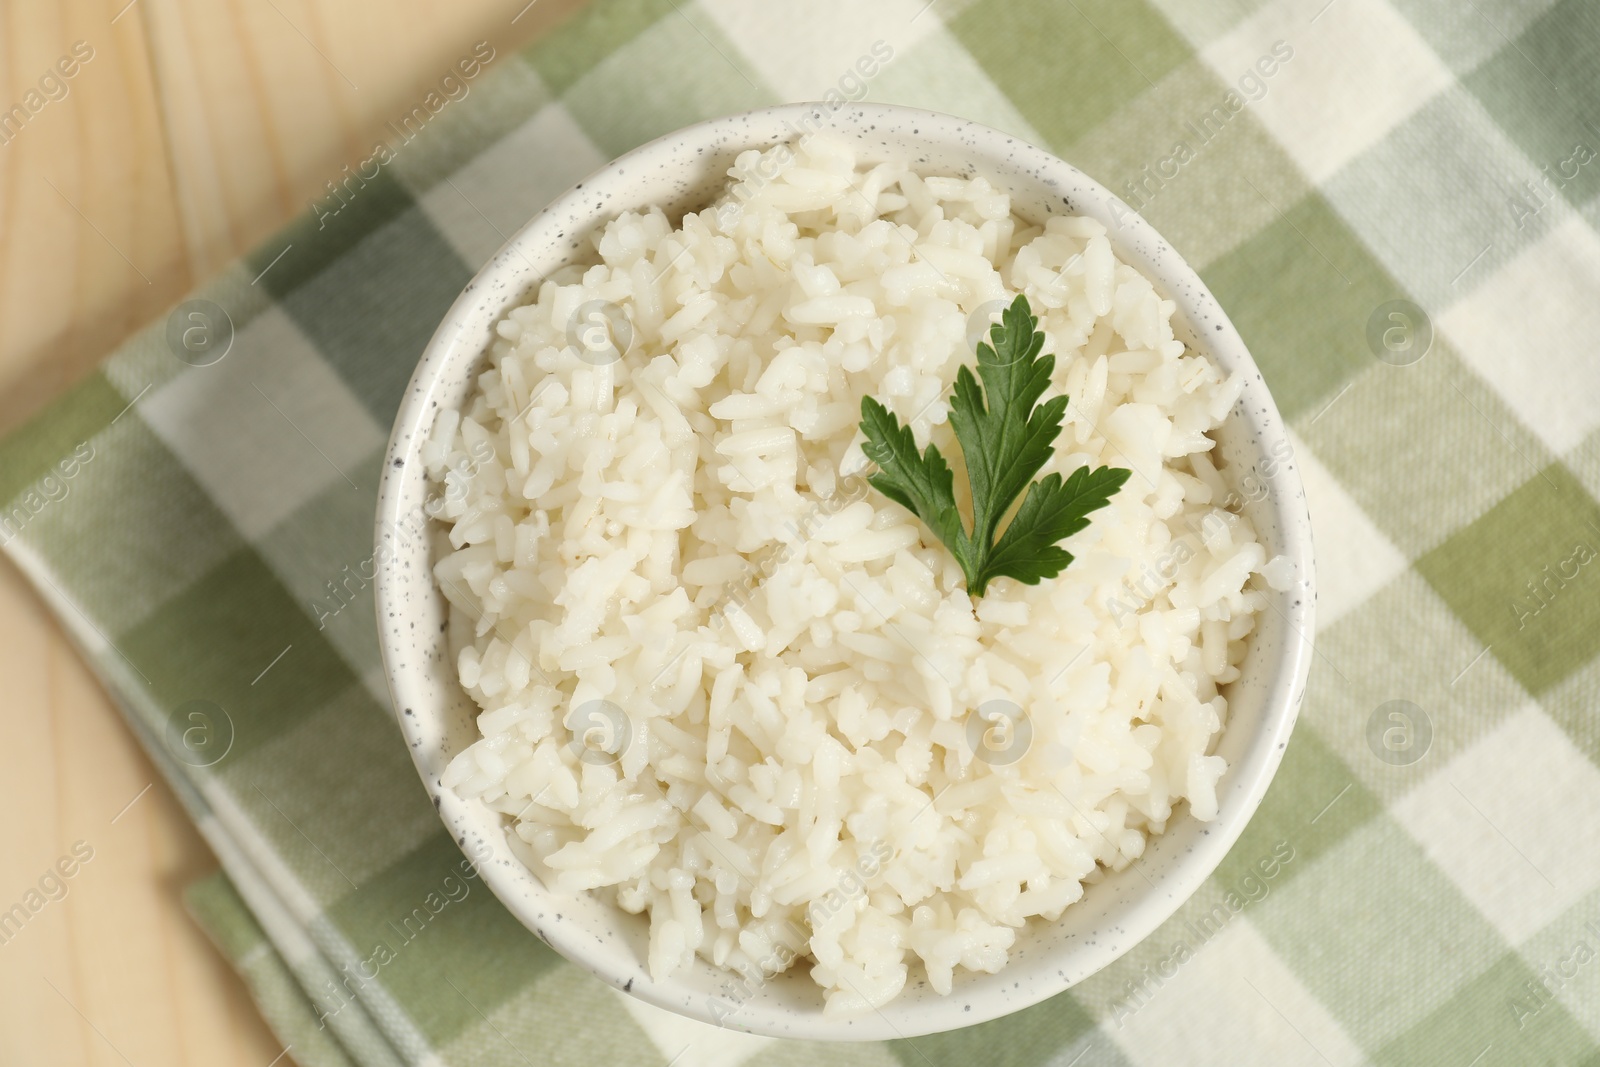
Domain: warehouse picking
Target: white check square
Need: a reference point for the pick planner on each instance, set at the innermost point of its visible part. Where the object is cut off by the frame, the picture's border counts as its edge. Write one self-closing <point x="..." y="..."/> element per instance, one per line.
<point x="806" y="49"/>
<point x="684" y="1041"/>
<point x="1274" y="1021"/>
<point x="480" y="206"/>
<point x="267" y="427"/>
<point x="1354" y="559"/>
<point x="1508" y="821"/>
<point x="1529" y="330"/>
<point x="1353" y="74"/>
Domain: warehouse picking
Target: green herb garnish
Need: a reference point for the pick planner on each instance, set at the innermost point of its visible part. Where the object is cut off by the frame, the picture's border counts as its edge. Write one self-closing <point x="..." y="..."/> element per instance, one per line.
<point x="1006" y="437"/>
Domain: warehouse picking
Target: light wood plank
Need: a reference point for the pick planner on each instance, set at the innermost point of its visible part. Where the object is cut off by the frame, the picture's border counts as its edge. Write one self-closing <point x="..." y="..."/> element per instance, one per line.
<point x="90" y="245"/>
<point x="295" y="89"/>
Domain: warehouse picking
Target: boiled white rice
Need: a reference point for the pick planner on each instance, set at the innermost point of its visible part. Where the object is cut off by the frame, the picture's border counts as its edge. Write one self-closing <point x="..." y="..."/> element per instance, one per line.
<point x="726" y="684"/>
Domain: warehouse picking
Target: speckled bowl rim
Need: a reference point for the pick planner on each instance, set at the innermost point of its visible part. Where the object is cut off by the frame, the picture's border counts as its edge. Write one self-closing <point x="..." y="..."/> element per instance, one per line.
<point x="1048" y="958"/>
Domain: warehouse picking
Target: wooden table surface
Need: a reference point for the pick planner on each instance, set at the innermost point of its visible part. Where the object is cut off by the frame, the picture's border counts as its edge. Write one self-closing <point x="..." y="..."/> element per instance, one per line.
<point x="196" y="128"/>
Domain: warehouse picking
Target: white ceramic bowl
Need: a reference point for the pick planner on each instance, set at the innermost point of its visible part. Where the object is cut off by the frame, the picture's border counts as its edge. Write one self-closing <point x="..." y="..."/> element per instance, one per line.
<point x="681" y="172"/>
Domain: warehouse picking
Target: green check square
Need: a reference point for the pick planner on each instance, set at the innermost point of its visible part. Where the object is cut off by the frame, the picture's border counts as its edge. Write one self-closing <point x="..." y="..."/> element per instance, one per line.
<point x="337" y="794"/>
<point x="1525" y="578"/>
<point x="424" y="919"/>
<point x="1541" y="89"/>
<point x="237" y="638"/>
<point x="52" y="437"/>
<point x="323" y="554"/>
<point x="1500" y="1017"/>
<point x="1425" y="448"/>
<point x="589" y="37"/>
<point x="132" y="529"/>
<point x="564" y="1018"/>
<point x="1377" y="933"/>
<point x="1559" y="49"/>
<point x="1404" y="644"/>
<point x="1069" y="66"/>
<point x="1572" y="705"/>
<point x="1207" y="178"/>
<point x="678" y="72"/>
<point x="1466" y="35"/>
<point x="371" y="311"/>
<point x="1300" y="291"/>
<point x="937" y="74"/>
<point x="356" y="208"/>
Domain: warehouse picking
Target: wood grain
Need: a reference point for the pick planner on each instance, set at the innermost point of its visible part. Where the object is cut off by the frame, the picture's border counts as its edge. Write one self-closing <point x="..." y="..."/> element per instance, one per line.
<point x="197" y="128"/>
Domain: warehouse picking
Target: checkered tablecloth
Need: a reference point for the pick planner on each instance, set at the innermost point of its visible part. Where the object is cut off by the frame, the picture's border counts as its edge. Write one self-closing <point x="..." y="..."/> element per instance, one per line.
<point x="1396" y="200"/>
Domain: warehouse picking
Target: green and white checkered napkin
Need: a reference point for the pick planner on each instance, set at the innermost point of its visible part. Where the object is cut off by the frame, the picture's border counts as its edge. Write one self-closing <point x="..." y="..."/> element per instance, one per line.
<point x="1422" y="884"/>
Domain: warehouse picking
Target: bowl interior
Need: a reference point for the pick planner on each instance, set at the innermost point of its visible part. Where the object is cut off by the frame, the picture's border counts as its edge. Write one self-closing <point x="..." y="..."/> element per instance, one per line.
<point x="684" y="172"/>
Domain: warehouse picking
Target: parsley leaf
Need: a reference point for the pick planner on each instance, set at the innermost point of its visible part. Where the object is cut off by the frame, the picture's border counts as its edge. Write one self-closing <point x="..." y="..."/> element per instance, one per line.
<point x="1006" y="437"/>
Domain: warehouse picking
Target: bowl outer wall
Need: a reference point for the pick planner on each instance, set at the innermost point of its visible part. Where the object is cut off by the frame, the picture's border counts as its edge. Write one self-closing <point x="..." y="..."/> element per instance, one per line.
<point x="682" y="171"/>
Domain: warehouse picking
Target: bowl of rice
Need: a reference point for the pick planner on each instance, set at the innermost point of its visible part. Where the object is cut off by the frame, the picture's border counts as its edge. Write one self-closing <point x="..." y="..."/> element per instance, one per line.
<point x="718" y="719"/>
